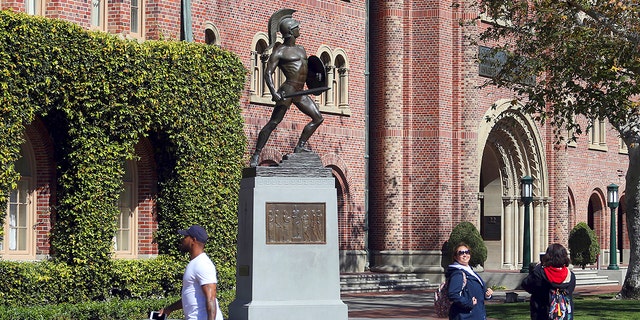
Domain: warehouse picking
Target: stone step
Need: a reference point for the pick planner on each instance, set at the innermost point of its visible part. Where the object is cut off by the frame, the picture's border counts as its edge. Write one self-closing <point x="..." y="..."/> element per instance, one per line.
<point x="591" y="278"/>
<point x="382" y="282"/>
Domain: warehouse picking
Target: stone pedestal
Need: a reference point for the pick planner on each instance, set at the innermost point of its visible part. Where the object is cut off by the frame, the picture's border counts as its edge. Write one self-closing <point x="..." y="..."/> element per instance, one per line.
<point x="288" y="261"/>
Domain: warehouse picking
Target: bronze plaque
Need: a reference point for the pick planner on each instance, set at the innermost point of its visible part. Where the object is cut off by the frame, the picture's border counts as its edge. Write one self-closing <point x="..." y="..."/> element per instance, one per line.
<point x="296" y="223"/>
<point x="492" y="228"/>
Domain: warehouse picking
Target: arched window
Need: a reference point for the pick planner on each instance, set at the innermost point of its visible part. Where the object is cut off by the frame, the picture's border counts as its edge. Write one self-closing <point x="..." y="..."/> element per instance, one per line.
<point x="259" y="91"/>
<point x="124" y="241"/>
<point x="19" y="239"/>
<point x="211" y="34"/>
<point x="336" y="99"/>
<point x="342" y="83"/>
<point x="326" y="98"/>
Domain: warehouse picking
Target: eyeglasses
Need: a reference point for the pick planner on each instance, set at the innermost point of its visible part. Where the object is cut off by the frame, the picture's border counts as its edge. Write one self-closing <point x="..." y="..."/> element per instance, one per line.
<point x="461" y="252"/>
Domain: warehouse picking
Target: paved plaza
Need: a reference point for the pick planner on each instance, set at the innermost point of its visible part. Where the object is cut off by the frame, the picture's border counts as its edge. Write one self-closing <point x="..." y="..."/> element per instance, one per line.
<point x="419" y="304"/>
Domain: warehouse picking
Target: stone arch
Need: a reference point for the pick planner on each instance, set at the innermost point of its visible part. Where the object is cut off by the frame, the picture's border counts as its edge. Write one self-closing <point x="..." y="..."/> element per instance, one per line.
<point x="147" y="178"/>
<point x="510" y="147"/>
<point x="597" y="217"/>
<point x="211" y="34"/>
<point x="571" y="204"/>
<point x="350" y="222"/>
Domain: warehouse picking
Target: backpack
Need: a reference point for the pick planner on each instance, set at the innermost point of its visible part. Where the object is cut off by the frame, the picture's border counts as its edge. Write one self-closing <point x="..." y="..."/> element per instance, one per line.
<point x="442" y="303"/>
<point x="560" y="305"/>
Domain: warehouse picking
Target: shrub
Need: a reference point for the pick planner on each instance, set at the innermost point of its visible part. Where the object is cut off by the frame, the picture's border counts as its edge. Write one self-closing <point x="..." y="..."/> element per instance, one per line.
<point x="114" y="309"/>
<point x="466" y="232"/>
<point x="583" y="245"/>
<point x="26" y="284"/>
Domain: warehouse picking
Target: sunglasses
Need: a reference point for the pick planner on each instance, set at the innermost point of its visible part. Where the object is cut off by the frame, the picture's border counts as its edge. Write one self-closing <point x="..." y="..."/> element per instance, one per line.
<point x="461" y="252"/>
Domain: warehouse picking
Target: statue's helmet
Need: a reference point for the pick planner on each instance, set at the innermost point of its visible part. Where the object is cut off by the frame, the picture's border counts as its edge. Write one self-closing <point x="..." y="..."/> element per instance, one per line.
<point x="286" y="25"/>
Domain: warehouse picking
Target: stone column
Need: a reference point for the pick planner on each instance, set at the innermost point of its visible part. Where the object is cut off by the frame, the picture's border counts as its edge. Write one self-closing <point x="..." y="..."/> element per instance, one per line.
<point x="507" y="233"/>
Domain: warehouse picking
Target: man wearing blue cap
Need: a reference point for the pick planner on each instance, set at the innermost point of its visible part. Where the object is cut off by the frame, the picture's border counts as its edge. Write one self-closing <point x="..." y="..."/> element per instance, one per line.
<point x="199" y="282"/>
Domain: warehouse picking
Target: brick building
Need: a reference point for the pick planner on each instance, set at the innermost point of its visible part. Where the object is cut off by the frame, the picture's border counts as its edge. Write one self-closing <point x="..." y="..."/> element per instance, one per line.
<point x="405" y="133"/>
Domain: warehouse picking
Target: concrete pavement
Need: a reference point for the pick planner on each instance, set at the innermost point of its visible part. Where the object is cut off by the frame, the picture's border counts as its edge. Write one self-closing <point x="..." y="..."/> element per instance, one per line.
<point x="411" y="305"/>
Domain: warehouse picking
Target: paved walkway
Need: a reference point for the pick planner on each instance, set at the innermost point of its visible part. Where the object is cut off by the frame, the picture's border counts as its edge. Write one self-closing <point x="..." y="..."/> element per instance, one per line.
<point x="412" y="305"/>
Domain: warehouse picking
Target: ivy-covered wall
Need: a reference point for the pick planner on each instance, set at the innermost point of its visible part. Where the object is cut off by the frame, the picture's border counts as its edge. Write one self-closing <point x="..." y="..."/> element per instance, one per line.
<point x="99" y="95"/>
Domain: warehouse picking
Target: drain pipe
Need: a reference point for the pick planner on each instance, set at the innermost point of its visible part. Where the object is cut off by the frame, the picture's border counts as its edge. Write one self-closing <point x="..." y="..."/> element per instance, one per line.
<point x="366" y="137"/>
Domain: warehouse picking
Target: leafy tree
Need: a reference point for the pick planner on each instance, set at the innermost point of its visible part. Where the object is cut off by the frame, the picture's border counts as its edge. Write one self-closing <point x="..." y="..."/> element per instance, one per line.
<point x="583" y="245"/>
<point x="466" y="232"/>
<point x="569" y="58"/>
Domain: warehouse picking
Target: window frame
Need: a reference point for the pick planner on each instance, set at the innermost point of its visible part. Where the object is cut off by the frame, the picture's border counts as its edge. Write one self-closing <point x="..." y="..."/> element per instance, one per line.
<point x="598" y="135"/>
<point x="258" y="91"/>
<point x="26" y="184"/>
<point x="102" y="15"/>
<point x="38" y="7"/>
<point x="132" y="207"/>
<point x="140" y="21"/>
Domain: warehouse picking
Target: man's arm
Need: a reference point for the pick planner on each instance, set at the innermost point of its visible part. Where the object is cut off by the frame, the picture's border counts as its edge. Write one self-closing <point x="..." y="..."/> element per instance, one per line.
<point x="210" y="295"/>
<point x="171" y="308"/>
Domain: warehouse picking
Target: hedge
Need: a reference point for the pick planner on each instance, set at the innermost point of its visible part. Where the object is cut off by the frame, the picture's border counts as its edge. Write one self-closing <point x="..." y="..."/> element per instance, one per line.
<point x="98" y="95"/>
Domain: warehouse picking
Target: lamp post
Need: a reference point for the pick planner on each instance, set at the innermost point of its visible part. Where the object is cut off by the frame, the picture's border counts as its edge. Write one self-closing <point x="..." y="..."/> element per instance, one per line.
<point x="526" y="186"/>
<point x="612" y="201"/>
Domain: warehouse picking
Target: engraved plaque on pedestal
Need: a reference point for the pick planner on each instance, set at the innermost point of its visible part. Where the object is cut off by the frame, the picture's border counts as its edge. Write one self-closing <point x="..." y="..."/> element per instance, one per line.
<point x="296" y="223"/>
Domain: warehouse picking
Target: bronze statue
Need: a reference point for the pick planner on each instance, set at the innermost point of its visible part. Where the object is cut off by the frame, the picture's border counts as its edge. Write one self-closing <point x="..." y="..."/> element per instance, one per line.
<point x="298" y="70"/>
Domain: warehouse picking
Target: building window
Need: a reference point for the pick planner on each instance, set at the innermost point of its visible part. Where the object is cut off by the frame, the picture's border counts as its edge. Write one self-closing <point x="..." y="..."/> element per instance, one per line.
<point x="597" y="135"/>
<point x="326" y="98"/>
<point x="137" y="19"/>
<point x="211" y="34"/>
<point x="18" y="241"/>
<point x="336" y="99"/>
<point x="34" y="7"/>
<point x="99" y="14"/>
<point x="259" y="91"/>
<point x="124" y="241"/>
<point x="623" y="146"/>
<point x="342" y="83"/>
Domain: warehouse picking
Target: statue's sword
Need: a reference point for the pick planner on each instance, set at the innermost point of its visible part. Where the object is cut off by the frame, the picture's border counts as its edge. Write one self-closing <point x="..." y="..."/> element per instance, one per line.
<point x="314" y="91"/>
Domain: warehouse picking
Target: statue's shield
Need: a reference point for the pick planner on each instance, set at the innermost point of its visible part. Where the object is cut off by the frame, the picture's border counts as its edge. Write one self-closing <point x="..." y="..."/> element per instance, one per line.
<point x="317" y="74"/>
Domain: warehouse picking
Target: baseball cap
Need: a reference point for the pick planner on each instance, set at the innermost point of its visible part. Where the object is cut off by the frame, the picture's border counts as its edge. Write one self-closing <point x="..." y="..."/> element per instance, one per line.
<point x="196" y="232"/>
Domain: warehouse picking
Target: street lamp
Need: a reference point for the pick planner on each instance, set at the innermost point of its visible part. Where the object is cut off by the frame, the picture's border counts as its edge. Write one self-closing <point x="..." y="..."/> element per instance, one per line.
<point x="612" y="201"/>
<point x="526" y="186"/>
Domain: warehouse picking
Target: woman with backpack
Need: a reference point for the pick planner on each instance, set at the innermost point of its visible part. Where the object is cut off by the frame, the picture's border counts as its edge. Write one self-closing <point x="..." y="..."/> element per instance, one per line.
<point x="466" y="291"/>
<point x="551" y="285"/>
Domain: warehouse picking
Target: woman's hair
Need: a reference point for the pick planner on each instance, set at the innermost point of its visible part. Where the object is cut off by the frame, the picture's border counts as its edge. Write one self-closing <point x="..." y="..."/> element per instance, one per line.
<point x="454" y="252"/>
<point x="556" y="256"/>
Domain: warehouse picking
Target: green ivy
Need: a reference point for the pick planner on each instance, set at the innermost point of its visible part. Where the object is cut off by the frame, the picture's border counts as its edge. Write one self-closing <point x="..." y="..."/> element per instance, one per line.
<point x="99" y="95"/>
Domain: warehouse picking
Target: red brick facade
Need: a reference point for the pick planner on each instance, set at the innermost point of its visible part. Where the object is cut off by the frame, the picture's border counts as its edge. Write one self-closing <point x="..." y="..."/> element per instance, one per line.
<point x="432" y="159"/>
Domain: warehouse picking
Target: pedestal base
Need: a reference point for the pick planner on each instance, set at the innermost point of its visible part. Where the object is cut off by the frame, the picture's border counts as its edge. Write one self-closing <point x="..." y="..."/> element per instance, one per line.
<point x="288" y="259"/>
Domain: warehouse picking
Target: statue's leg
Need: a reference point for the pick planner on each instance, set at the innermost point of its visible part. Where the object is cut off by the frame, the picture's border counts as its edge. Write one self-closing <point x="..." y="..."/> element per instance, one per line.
<point x="276" y="116"/>
<point x="308" y="107"/>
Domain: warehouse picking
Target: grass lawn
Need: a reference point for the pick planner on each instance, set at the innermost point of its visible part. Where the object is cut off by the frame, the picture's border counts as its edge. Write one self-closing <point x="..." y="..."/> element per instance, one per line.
<point x="586" y="308"/>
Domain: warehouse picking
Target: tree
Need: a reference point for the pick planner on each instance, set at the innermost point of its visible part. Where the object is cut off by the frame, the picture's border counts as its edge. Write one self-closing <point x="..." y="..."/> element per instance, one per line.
<point x="583" y="245"/>
<point x="466" y="232"/>
<point x="564" y="59"/>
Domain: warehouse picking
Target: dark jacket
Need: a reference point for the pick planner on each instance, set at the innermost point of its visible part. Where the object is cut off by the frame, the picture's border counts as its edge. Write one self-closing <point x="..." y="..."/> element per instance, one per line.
<point x="461" y="305"/>
<point x="538" y="285"/>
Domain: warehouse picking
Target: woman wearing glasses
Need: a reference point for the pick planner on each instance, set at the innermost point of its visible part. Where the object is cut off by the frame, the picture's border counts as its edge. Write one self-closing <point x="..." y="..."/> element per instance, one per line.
<point x="467" y="291"/>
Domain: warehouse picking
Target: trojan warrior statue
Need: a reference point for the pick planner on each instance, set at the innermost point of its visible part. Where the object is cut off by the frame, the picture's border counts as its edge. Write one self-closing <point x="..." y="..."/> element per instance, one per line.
<point x="298" y="70"/>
